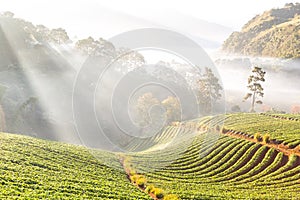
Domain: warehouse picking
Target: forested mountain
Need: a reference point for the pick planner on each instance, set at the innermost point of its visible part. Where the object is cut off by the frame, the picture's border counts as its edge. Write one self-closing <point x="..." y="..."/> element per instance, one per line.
<point x="275" y="33"/>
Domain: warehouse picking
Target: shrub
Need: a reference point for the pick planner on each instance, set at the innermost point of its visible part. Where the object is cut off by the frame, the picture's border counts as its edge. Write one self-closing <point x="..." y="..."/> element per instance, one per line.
<point x="149" y="188"/>
<point x="132" y="172"/>
<point x="141" y="182"/>
<point x="171" y="197"/>
<point x="223" y="130"/>
<point x="159" y="193"/>
<point x="257" y="137"/>
<point x="266" y="138"/>
<point x="135" y="177"/>
<point x="235" y="108"/>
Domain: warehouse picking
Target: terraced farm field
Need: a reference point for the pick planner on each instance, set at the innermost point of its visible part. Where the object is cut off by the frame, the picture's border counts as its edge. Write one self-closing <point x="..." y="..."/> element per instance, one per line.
<point x="202" y="163"/>
<point x="230" y="169"/>
<point x="279" y="126"/>
<point x="36" y="169"/>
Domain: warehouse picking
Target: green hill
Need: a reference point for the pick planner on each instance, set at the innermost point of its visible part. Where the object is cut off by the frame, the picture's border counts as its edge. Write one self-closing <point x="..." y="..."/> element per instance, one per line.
<point x="207" y="161"/>
<point x="37" y="169"/>
<point x="218" y="166"/>
<point x="275" y="33"/>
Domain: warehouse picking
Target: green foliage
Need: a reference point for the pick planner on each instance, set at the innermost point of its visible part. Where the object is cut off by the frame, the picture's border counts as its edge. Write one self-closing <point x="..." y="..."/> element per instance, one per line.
<point x="280" y="127"/>
<point x="257" y="137"/>
<point x="209" y="90"/>
<point x="36" y="169"/>
<point x="132" y="172"/>
<point x="134" y="178"/>
<point x="129" y="58"/>
<point x="92" y="47"/>
<point x="149" y="189"/>
<point x="206" y="167"/>
<point x="171" y="197"/>
<point x="144" y="105"/>
<point x="159" y="193"/>
<point x="173" y="109"/>
<point x="266" y="138"/>
<point x="235" y="108"/>
<point x="141" y="182"/>
<point x="59" y="36"/>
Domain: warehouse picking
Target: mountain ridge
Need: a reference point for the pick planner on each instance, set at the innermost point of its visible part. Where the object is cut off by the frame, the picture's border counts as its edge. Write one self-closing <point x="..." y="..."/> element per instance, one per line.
<point x="275" y="33"/>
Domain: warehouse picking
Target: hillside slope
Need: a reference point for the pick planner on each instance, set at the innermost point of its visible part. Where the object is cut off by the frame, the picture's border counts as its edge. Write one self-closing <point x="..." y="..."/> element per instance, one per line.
<point x="37" y="169"/>
<point x="275" y="33"/>
<point x="204" y="162"/>
<point x="216" y="166"/>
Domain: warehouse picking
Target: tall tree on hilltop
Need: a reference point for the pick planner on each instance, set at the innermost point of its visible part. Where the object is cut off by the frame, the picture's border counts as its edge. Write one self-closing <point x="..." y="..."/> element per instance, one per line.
<point x="255" y="87"/>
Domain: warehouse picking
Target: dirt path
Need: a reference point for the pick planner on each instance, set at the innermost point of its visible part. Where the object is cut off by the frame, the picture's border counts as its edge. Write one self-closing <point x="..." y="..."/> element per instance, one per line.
<point x="127" y="171"/>
<point x="272" y="143"/>
<point x="280" y="117"/>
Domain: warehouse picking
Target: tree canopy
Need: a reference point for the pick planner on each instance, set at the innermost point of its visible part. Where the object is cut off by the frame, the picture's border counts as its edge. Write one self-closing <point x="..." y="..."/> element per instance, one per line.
<point x="209" y="90"/>
<point x="255" y="87"/>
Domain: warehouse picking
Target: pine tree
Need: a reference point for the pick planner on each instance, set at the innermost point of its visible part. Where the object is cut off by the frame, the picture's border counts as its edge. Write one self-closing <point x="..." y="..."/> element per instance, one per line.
<point x="255" y="87"/>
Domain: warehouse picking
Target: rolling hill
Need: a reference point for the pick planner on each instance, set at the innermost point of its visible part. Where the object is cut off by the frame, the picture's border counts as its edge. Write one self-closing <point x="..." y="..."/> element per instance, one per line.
<point x="206" y="162"/>
<point x="226" y="166"/>
<point x="38" y="169"/>
<point x="275" y="33"/>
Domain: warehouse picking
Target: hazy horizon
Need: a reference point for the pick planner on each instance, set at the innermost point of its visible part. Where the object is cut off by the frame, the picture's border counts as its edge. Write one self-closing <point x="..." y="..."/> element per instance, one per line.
<point x="87" y="18"/>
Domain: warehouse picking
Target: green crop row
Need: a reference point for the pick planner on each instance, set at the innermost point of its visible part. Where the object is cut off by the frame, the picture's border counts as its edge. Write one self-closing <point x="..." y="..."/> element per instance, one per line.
<point x="37" y="169"/>
<point x="221" y="167"/>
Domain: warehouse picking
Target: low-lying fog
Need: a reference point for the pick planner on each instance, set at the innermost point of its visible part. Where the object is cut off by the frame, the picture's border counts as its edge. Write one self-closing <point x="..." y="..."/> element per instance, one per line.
<point x="281" y="86"/>
<point x="53" y="91"/>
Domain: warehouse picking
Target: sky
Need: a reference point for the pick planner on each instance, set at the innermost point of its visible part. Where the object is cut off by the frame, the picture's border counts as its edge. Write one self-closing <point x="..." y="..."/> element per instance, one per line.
<point x="82" y="18"/>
